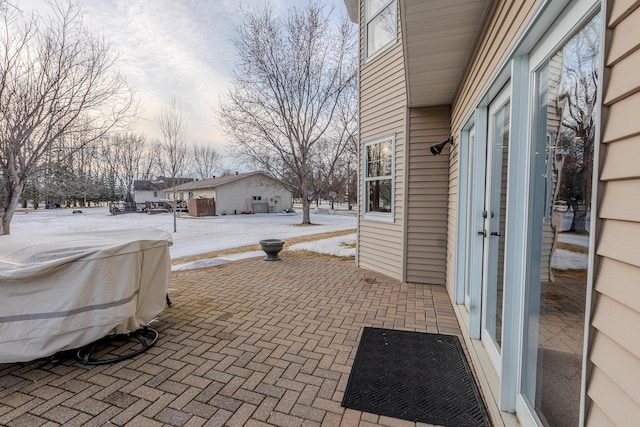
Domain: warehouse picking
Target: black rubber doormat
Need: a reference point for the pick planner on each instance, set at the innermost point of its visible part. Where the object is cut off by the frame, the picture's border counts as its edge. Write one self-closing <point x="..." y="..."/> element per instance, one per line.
<point x="414" y="376"/>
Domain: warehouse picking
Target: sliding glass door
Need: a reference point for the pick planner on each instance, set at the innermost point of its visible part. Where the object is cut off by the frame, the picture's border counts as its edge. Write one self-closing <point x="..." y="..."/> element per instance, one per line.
<point x="565" y="88"/>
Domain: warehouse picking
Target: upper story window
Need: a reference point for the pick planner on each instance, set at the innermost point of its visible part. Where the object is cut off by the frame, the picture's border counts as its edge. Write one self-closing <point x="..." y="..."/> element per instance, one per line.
<point x="378" y="178"/>
<point x="380" y="25"/>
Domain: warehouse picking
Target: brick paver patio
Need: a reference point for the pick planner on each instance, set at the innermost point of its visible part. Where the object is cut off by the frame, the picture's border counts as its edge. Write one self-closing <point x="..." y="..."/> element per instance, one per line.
<point x="249" y="343"/>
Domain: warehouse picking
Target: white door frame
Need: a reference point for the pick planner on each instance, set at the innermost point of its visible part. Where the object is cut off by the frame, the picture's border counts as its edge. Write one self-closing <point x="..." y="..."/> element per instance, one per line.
<point x="476" y="222"/>
<point x="490" y="255"/>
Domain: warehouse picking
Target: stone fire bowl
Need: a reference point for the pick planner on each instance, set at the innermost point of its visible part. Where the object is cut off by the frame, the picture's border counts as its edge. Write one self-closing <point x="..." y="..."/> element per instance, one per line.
<point x="272" y="247"/>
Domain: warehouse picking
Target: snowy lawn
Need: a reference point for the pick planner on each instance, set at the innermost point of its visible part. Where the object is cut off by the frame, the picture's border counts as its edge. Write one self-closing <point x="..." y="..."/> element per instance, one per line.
<point x="564" y="259"/>
<point x="199" y="235"/>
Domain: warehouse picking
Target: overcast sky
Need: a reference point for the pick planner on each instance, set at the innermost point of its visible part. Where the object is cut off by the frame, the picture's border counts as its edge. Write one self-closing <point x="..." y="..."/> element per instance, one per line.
<point x="175" y="48"/>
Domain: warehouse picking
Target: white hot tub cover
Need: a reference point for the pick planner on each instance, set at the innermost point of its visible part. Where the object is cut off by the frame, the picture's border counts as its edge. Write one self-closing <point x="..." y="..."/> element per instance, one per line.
<point x="63" y="291"/>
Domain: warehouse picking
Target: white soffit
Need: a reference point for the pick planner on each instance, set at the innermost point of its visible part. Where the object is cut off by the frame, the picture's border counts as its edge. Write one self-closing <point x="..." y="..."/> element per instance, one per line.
<point x="352" y="10"/>
<point x="439" y="37"/>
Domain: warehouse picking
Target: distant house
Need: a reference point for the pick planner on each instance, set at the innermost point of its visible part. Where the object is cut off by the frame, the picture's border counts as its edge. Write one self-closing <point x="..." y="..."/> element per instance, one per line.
<point x="252" y="192"/>
<point x="154" y="190"/>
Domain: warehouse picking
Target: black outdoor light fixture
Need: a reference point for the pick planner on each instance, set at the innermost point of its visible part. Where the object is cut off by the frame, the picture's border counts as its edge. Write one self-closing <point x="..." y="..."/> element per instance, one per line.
<point x="437" y="149"/>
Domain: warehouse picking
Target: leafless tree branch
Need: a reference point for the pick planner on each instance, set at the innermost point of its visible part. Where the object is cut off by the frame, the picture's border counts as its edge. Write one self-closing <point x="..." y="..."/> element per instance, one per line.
<point x="293" y="79"/>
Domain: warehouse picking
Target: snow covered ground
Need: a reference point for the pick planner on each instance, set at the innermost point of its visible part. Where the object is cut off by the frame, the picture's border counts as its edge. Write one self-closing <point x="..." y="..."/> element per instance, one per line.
<point x="574" y="239"/>
<point x="342" y="246"/>
<point x="208" y="234"/>
<point x="195" y="235"/>
<point x="568" y="260"/>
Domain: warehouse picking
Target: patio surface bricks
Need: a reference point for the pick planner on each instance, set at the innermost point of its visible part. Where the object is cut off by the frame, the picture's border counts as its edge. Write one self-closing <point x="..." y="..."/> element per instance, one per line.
<point x="248" y="343"/>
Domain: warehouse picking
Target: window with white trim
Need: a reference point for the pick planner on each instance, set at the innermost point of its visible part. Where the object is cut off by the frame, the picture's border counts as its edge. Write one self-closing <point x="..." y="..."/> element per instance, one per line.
<point x="380" y="25"/>
<point x="378" y="178"/>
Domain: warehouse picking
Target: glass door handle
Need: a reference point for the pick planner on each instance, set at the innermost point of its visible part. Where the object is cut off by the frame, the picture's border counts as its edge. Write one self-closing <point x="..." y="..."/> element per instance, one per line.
<point x="495" y="233"/>
<point x="482" y="233"/>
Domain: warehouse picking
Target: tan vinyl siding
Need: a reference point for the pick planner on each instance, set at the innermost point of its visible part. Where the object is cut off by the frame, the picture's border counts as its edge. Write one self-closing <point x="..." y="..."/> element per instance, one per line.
<point x="622" y="160"/>
<point x="626" y="37"/>
<point x="621" y="200"/>
<point x="598" y="418"/>
<point x="613" y="359"/>
<point x="613" y="388"/>
<point x="427" y="196"/>
<point x="383" y="103"/>
<point x="619" y="240"/>
<point x="619" y="281"/>
<point x="507" y="19"/>
<point x="624" y="78"/>
<point x="623" y="119"/>
<point x="616" y="320"/>
<point x="620" y="9"/>
<point x="607" y="392"/>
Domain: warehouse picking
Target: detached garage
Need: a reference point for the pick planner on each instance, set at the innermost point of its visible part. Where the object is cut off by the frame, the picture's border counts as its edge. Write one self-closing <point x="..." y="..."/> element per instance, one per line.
<point x="252" y="192"/>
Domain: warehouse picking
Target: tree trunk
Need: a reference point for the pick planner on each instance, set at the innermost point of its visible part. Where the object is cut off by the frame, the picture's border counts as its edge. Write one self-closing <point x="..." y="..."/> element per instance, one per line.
<point x="580" y="218"/>
<point x="306" y="218"/>
<point x="175" y="210"/>
<point x="11" y="198"/>
<point x="5" y="224"/>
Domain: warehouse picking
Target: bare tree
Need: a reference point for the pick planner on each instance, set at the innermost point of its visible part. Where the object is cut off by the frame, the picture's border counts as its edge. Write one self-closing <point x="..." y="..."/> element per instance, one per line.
<point x="75" y="159"/>
<point x="291" y="77"/>
<point x="150" y="162"/>
<point x="127" y="154"/>
<point x="577" y="135"/>
<point x="348" y="162"/>
<point x="173" y="127"/>
<point x="57" y="81"/>
<point x="206" y="161"/>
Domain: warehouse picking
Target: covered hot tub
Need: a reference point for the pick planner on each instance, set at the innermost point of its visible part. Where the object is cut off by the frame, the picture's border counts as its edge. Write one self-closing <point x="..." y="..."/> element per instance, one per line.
<point x="63" y="291"/>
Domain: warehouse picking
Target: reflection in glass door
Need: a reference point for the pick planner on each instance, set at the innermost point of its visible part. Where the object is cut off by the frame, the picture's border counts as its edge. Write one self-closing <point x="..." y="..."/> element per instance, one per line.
<point x="494" y="224"/>
<point x="564" y="134"/>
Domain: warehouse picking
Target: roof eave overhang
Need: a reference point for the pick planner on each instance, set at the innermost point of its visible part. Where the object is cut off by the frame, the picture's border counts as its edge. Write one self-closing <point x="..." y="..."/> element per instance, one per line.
<point x="352" y="10"/>
<point x="438" y="39"/>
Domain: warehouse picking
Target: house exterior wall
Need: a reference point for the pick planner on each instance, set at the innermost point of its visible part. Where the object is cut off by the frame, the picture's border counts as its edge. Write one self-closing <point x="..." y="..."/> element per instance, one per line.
<point x="613" y="355"/>
<point x="614" y="385"/>
<point x="427" y="196"/>
<point x="141" y="196"/>
<point x="205" y="193"/>
<point x="613" y="375"/>
<point x="506" y="21"/>
<point x="236" y="196"/>
<point x="383" y="112"/>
